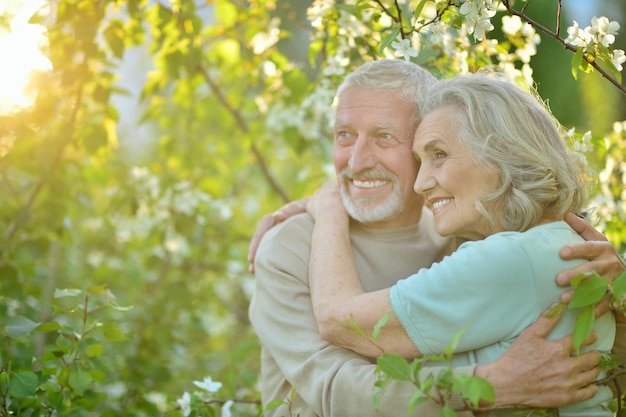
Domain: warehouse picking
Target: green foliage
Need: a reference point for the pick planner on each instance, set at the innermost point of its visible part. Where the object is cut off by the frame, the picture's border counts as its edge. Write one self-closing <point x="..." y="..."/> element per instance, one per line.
<point x="434" y="387"/>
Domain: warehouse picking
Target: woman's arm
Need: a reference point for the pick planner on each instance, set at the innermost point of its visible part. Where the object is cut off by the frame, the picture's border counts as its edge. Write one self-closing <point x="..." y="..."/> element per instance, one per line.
<point x="339" y="302"/>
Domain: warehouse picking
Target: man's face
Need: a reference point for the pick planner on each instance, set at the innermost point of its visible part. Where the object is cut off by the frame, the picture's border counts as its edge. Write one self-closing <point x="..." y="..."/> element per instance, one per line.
<point x="373" y="159"/>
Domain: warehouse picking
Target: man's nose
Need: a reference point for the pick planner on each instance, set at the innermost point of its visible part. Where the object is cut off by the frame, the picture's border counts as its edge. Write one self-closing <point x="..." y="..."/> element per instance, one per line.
<point x="363" y="155"/>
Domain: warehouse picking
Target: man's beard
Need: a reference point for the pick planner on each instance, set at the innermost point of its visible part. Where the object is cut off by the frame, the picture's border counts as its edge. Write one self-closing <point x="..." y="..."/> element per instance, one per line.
<point x="371" y="209"/>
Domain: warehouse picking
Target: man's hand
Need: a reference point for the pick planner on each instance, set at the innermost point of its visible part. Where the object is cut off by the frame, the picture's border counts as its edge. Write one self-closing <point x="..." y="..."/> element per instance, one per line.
<point x="270" y="220"/>
<point x="602" y="256"/>
<point x="535" y="372"/>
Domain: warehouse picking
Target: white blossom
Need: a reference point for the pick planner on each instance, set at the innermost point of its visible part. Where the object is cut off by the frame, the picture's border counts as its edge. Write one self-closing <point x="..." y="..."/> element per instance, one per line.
<point x="185" y="404"/>
<point x="316" y="12"/>
<point x="262" y="41"/>
<point x="618" y="58"/>
<point x="584" y="144"/>
<point x="208" y="384"/>
<point x="511" y="24"/>
<point x="603" y="30"/>
<point x="404" y="49"/>
<point x="226" y="408"/>
<point x="578" y="37"/>
<point x="478" y="16"/>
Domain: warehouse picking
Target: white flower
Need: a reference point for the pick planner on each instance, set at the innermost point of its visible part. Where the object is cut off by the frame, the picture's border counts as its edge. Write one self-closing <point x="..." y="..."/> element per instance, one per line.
<point x="478" y="16"/>
<point x="265" y="40"/>
<point x="511" y="24"/>
<point x="208" y="384"/>
<point x="578" y="37"/>
<point x="185" y="404"/>
<point x="584" y="144"/>
<point x="226" y="408"/>
<point x="604" y="30"/>
<point x="403" y="48"/>
<point x="618" y="59"/>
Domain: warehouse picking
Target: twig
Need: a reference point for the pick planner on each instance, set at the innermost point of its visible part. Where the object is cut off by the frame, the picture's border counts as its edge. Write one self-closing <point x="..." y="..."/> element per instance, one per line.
<point x="244" y="127"/>
<point x="13" y="227"/>
<point x="556" y="36"/>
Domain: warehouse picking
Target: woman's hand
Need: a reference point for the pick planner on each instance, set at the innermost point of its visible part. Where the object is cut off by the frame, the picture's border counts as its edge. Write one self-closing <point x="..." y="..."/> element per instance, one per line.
<point x="270" y="220"/>
<point x="326" y="201"/>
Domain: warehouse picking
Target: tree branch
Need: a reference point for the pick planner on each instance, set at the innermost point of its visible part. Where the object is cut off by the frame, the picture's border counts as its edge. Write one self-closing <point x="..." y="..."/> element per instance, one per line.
<point x="17" y="221"/>
<point x="244" y="127"/>
<point x="556" y="36"/>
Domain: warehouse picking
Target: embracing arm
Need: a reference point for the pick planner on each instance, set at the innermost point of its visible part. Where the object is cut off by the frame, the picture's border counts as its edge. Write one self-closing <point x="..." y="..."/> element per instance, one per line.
<point x="539" y="372"/>
<point x="270" y="220"/>
<point x="327" y="380"/>
<point x="339" y="302"/>
<point x="603" y="257"/>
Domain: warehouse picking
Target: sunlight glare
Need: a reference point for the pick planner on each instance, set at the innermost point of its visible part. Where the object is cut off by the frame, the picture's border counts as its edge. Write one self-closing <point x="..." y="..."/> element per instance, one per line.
<point x="20" y="55"/>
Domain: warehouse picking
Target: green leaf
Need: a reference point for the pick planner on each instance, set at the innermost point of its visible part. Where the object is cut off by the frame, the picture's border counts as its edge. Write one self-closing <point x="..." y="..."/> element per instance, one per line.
<point x="619" y="286"/>
<point x="114" y="35"/>
<point x="395" y="366"/>
<point x="388" y="39"/>
<point x="583" y="326"/>
<point x="67" y="292"/>
<point x="20" y="326"/>
<point x="273" y="404"/>
<point x="589" y="291"/>
<point x="95" y="350"/>
<point x="97" y="290"/>
<point x="381" y="323"/>
<point x="23" y="384"/>
<point x="419" y="8"/>
<point x="449" y="351"/>
<point x="112" y="333"/>
<point x="474" y="389"/>
<point x="50" y="326"/>
<point x="418" y="398"/>
<point x="446" y="411"/>
<point x="577" y="60"/>
<point x="80" y="381"/>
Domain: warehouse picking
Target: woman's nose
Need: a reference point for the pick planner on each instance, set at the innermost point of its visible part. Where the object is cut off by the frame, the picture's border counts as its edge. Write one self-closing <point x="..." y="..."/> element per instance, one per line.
<point x="425" y="180"/>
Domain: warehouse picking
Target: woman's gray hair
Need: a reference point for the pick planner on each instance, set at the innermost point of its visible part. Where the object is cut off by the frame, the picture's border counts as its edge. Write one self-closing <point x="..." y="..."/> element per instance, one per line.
<point x="513" y="132"/>
<point x="407" y="81"/>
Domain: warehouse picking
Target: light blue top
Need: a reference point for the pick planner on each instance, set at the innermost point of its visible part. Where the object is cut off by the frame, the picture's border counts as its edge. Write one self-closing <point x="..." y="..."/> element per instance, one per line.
<point x="492" y="289"/>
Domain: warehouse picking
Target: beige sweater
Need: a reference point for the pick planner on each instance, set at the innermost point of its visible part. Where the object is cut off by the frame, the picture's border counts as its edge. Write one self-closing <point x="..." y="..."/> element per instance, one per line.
<point x="330" y="381"/>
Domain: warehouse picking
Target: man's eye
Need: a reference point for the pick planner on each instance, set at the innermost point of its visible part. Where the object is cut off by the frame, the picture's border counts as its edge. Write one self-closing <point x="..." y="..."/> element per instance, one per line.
<point x="386" y="139"/>
<point x="343" y="138"/>
<point x="439" y="155"/>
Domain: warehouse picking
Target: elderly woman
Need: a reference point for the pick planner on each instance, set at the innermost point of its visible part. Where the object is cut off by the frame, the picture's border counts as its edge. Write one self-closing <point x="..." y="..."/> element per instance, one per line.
<point x="496" y="172"/>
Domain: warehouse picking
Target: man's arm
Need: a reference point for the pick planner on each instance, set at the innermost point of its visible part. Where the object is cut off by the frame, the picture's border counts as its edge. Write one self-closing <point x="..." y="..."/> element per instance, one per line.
<point x="331" y="381"/>
<point x="537" y="372"/>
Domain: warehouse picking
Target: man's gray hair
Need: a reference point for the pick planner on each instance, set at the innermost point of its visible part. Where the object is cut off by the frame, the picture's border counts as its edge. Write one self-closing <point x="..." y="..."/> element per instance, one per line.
<point x="404" y="79"/>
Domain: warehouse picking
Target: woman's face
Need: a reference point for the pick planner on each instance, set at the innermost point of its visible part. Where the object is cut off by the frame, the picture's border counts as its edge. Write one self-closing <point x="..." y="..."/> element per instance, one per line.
<point x="449" y="179"/>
